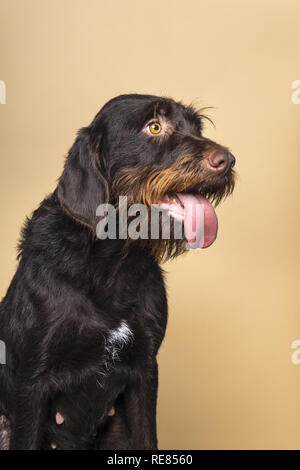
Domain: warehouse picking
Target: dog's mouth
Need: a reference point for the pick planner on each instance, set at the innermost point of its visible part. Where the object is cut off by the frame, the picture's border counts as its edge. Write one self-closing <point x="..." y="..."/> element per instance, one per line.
<point x="197" y="215"/>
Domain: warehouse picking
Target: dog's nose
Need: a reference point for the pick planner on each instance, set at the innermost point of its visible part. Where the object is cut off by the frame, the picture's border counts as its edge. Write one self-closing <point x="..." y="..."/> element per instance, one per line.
<point x="221" y="161"/>
<point x="231" y="160"/>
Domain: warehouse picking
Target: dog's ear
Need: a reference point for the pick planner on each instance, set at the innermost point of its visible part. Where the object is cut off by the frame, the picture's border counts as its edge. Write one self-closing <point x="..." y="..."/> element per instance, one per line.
<point x="82" y="186"/>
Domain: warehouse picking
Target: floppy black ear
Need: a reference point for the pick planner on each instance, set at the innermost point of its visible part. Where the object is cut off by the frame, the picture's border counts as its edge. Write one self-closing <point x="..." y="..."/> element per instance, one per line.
<point x="82" y="186"/>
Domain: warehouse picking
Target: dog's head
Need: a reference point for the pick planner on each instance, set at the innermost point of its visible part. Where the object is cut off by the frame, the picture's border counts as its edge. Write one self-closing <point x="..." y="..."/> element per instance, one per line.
<point x="150" y="149"/>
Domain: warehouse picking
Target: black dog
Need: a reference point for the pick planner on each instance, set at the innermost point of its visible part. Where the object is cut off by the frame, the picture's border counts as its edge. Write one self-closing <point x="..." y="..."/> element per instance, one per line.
<point x="83" y="318"/>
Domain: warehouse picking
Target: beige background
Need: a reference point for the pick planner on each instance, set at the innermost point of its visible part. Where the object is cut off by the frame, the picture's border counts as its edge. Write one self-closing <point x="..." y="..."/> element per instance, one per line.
<point x="226" y="376"/>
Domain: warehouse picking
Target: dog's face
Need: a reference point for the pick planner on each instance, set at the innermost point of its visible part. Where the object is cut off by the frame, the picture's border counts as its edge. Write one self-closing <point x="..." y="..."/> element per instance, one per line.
<point x="150" y="149"/>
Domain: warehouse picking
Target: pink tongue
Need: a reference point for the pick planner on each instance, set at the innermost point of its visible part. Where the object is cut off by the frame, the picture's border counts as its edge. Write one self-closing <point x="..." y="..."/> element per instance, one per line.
<point x="200" y="221"/>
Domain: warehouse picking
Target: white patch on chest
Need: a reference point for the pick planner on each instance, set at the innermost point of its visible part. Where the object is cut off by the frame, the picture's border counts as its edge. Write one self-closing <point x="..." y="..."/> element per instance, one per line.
<point x="115" y="342"/>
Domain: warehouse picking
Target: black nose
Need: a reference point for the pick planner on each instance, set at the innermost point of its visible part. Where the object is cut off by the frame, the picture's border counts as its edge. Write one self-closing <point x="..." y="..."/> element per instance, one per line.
<point x="221" y="161"/>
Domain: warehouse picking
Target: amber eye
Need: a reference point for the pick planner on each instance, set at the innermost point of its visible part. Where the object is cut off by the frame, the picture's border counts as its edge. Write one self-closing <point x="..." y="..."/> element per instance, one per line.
<point x="154" y="128"/>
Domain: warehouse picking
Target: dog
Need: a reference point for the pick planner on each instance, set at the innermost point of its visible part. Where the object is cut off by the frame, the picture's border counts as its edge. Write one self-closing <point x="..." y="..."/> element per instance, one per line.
<point x="84" y="317"/>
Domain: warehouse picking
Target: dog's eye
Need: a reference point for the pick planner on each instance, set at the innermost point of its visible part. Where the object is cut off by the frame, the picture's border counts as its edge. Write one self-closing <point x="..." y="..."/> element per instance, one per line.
<point x="154" y="128"/>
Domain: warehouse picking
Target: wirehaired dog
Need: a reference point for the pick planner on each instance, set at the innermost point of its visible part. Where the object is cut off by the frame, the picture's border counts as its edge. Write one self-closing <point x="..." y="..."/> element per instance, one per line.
<point x="83" y="318"/>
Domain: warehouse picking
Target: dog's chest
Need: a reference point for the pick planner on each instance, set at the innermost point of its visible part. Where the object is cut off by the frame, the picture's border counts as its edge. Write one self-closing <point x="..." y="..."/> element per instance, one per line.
<point x="132" y="343"/>
<point x="116" y="341"/>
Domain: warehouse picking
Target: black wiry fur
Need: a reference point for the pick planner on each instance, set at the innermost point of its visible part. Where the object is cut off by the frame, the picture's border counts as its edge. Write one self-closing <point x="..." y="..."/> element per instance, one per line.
<point x="71" y="289"/>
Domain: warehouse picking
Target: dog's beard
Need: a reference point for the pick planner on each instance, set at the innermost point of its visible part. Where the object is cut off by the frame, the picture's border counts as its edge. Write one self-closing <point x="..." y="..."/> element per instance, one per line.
<point x="151" y="184"/>
<point x="164" y="249"/>
<point x="216" y="189"/>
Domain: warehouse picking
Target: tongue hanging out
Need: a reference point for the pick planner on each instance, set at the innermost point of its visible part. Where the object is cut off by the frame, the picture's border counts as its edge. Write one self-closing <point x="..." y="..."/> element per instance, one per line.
<point x="198" y="216"/>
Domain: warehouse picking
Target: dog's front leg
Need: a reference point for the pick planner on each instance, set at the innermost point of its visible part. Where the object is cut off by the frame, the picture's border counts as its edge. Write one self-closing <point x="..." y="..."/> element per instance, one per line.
<point x="29" y="418"/>
<point x="141" y="398"/>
